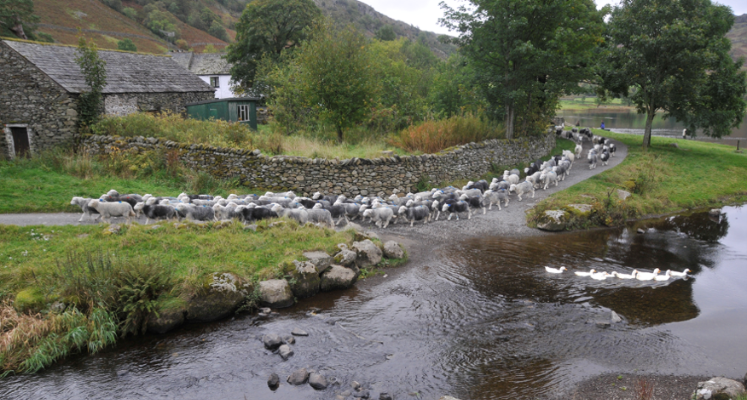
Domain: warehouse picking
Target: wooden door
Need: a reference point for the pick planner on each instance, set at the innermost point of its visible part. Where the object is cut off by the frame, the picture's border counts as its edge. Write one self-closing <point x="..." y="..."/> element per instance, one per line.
<point x="21" y="141"/>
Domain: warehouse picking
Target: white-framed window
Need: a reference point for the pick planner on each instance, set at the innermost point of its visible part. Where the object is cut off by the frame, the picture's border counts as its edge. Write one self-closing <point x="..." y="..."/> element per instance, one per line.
<point x="244" y="112"/>
<point x="215" y="81"/>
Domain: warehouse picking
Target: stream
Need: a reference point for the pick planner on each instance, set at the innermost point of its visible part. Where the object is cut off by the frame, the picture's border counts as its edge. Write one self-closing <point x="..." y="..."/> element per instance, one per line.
<point x="476" y="319"/>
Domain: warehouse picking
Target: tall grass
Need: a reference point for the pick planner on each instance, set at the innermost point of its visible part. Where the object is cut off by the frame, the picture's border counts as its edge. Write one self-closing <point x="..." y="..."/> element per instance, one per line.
<point x="436" y="135"/>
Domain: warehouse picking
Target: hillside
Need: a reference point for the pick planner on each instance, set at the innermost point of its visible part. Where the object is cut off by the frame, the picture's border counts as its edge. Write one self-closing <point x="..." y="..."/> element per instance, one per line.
<point x="738" y="37"/>
<point x="155" y="27"/>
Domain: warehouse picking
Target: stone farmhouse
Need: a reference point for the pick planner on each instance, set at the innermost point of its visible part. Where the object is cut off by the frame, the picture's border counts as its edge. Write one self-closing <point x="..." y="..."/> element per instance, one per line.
<point x="41" y="83"/>
<point x="211" y="68"/>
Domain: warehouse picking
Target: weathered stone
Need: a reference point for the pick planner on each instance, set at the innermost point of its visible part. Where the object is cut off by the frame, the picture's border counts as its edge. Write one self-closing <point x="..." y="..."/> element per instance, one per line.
<point x="299" y="332"/>
<point x="715" y="212"/>
<point x="338" y="277"/>
<point x="393" y="249"/>
<point x="276" y="293"/>
<point x="622" y="194"/>
<point x="272" y="341"/>
<point x="368" y="253"/>
<point x="385" y="396"/>
<point x="345" y="257"/>
<point x="317" y="381"/>
<point x="319" y="259"/>
<point x="218" y="298"/>
<point x="614" y="318"/>
<point x="305" y="282"/>
<point x="285" y="351"/>
<point x="57" y="307"/>
<point x="640" y="231"/>
<point x="553" y="221"/>
<point x="581" y="210"/>
<point x="113" y="229"/>
<point x="274" y="381"/>
<point x="289" y="339"/>
<point x="298" y="377"/>
<point x="718" y="389"/>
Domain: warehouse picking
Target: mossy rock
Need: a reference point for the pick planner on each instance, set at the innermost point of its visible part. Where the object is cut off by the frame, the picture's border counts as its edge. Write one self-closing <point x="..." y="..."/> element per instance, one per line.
<point x="29" y="300"/>
<point x="580" y="210"/>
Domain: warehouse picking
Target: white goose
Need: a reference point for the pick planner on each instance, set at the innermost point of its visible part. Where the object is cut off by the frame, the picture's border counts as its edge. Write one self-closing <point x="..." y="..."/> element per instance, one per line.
<point x="624" y="276"/>
<point x="663" y="278"/>
<point x="647" y="276"/>
<point x="600" y="276"/>
<point x="585" y="273"/>
<point x="683" y="273"/>
<point x="555" y="270"/>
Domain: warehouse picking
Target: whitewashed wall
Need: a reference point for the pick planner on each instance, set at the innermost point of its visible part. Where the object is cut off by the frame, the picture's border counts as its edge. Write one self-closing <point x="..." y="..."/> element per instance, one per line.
<point x="224" y="91"/>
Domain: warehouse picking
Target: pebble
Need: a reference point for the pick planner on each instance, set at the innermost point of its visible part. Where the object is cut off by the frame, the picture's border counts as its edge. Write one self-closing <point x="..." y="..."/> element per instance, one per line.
<point x="274" y="381"/>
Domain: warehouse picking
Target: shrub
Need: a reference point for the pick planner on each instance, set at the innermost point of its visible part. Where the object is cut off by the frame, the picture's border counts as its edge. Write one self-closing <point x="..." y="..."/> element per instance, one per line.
<point x="437" y="135"/>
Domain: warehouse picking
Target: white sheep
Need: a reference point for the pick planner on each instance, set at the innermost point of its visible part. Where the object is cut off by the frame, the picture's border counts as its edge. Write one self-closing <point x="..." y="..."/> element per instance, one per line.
<point x="380" y="216"/>
<point x="548" y="177"/>
<point x="522" y="188"/>
<point x="82" y="202"/>
<point x="109" y="210"/>
<point x="491" y="198"/>
<point x="578" y="150"/>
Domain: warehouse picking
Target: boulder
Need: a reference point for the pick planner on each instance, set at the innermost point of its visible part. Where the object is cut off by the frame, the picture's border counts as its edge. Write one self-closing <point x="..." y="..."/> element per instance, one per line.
<point x="553" y="221"/>
<point x="580" y="210"/>
<point x="289" y="339"/>
<point x="393" y="249"/>
<point x="345" y="257"/>
<point x="272" y="341"/>
<point x="718" y="389"/>
<point x="368" y="253"/>
<point x="298" y="377"/>
<point x="319" y="259"/>
<point x="274" y="381"/>
<point x="219" y="298"/>
<point x="167" y="320"/>
<point x="305" y="282"/>
<point x="276" y="293"/>
<point x="299" y="332"/>
<point x="285" y="351"/>
<point x="317" y="381"/>
<point x="338" y="277"/>
<point x="715" y="212"/>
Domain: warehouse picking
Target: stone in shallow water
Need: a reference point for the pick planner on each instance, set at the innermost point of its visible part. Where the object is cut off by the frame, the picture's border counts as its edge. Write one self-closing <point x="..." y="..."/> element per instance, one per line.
<point x="276" y="293"/>
<point x="553" y="220"/>
<point x="285" y="351"/>
<point x="299" y="332"/>
<point x="615" y="318"/>
<point x="298" y="377"/>
<point x="274" y="381"/>
<point x="317" y="381"/>
<point x="392" y="249"/>
<point x="272" y="341"/>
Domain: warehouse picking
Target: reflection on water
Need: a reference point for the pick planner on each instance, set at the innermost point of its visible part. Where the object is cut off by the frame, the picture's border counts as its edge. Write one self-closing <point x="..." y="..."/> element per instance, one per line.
<point x="624" y="121"/>
<point x="481" y="319"/>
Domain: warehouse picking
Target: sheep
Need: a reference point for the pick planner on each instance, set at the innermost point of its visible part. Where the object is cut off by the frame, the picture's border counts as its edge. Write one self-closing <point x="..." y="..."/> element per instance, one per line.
<point x="109" y="210"/>
<point x="380" y="216"/>
<point x="533" y="167"/>
<point x="497" y="185"/>
<point x="535" y="178"/>
<point x="561" y="171"/>
<point x="491" y="197"/>
<point x="196" y="213"/>
<point x="592" y="157"/>
<point x="548" y="177"/>
<point x="417" y="213"/>
<point x="251" y="214"/>
<point x="320" y="216"/>
<point x="474" y="202"/>
<point x="337" y="211"/>
<point x="579" y="148"/>
<point x="226" y="212"/>
<point x="156" y="212"/>
<point x="352" y="210"/>
<point x="510" y="178"/>
<point x="522" y="188"/>
<point x="481" y="185"/>
<point x="570" y="156"/>
<point x="319" y="196"/>
<point x="298" y="214"/>
<point x="613" y="148"/>
<point x="605" y="157"/>
<point x="456" y="207"/>
<point x="132" y="199"/>
<point x="82" y="202"/>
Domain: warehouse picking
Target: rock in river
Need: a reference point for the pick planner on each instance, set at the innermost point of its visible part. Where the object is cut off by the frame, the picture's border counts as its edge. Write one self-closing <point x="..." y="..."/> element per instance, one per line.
<point x="276" y="293"/>
<point x="285" y="351"/>
<point x="345" y="257"/>
<point x="368" y="253"/>
<point x="305" y="279"/>
<point x="392" y="249"/>
<point x="319" y="259"/>
<point x="274" y="381"/>
<point x="272" y="341"/>
<point x="718" y="389"/>
<point x="298" y="377"/>
<point x="338" y="277"/>
<point x="299" y="332"/>
<point x="220" y="297"/>
<point x="553" y="220"/>
<point x="317" y="381"/>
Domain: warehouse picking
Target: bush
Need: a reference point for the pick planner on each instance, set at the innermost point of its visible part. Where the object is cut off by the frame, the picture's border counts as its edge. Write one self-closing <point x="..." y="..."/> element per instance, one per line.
<point x="434" y="136"/>
<point x="126" y="45"/>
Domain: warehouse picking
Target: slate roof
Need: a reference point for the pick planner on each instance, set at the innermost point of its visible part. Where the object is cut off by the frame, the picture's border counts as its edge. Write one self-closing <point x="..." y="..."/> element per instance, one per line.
<point x="203" y="64"/>
<point x="126" y="72"/>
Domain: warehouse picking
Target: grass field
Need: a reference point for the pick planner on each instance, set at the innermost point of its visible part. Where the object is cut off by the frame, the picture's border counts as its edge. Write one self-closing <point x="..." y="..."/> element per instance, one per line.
<point x="590" y="103"/>
<point x="664" y="179"/>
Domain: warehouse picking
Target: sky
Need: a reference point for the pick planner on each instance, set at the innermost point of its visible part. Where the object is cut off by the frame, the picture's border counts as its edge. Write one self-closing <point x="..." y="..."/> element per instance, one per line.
<point x="425" y="13"/>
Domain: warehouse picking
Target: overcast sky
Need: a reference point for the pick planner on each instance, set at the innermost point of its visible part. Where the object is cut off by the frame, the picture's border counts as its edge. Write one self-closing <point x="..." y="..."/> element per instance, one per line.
<point x="425" y="13"/>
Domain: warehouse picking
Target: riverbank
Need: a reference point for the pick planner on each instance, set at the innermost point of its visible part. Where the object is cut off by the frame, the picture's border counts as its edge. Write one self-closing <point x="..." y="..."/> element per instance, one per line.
<point x="674" y="175"/>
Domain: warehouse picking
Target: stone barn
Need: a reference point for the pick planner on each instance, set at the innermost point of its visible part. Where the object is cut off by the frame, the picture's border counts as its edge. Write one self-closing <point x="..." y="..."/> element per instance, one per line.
<point x="40" y="85"/>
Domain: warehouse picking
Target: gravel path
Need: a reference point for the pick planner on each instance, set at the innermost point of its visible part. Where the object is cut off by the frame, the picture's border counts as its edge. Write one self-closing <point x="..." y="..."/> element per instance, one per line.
<point x="511" y="221"/>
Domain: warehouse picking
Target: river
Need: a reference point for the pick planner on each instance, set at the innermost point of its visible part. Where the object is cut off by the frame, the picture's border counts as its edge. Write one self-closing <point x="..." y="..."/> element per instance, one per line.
<point x="476" y="318"/>
<point x="628" y="121"/>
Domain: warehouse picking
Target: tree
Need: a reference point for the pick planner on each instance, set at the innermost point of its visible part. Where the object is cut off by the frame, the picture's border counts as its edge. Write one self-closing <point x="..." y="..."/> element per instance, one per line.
<point x="217" y="30"/>
<point x="527" y="53"/>
<point x="336" y="72"/>
<point x="17" y="16"/>
<point x="267" y="28"/>
<point x="126" y="45"/>
<point x="94" y="72"/>
<point x="675" y="55"/>
<point x="386" y="33"/>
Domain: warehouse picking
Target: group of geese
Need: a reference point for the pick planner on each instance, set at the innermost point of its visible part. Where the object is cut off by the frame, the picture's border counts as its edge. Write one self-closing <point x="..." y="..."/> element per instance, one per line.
<point x="641" y="276"/>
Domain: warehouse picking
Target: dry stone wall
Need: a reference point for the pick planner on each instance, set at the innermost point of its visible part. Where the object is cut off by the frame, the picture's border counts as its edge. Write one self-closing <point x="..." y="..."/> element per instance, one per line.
<point x="349" y="177"/>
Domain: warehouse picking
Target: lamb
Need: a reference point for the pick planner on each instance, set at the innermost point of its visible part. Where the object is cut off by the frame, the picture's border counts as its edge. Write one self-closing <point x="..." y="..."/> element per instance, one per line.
<point x="613" y="148"/>
<point x="522" y="188"/>
<point x="579" y="148"/>
<point x="156" y="212"/>
<point x="491" y="197"/>
<point x="474" y="202"/>
<point x="548" y="177"/>
<point x="299" y="214"/>
<point x="456" y="207"/>
<point x="196" y="213"/>
<point x="109" y="210"/>
<point x="510" y="178"/>
<point x="417" y="213"/>
<point x="605" y="157"/>
<point x="82" y="202"/>
<point x="320" y="216"/>
<point x="381" y="216"/>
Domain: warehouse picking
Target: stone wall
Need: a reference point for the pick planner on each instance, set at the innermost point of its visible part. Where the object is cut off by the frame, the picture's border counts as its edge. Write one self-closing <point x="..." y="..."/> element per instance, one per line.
<point x="128" y="103"/>
<point x="29" y="97"/>
<point x="350" y="177"/>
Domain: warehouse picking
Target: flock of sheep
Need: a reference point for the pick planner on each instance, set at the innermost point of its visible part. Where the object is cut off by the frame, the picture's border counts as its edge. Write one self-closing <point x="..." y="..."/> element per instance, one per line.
<point x="324" y="209"/>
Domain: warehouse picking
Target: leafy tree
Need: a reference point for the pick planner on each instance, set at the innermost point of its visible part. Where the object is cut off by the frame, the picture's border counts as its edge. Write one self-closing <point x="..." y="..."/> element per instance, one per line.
<point x="126" y="45"/>
<point x="130" y="13"/>
<point x="217" y="30"/>
<point x="386" y="33"/>
<point x="674" y="53"/>
<point x="210" y="49"/>
<point x="527" y="53"/>
<point x="267" y="28"/>
<point x="454" y="90"/>
<point x="336" y="74"/>
<point x="17" y="17"/>
<point x="94" y="72"/>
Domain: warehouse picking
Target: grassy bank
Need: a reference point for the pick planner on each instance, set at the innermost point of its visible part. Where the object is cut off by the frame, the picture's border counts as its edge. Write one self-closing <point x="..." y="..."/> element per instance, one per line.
<point x="111" y="282"/>
<point x="591" y="103"/>
<point x="664" y="179"/>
